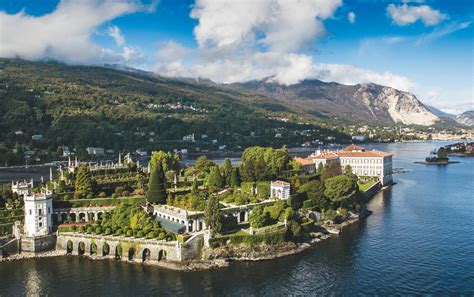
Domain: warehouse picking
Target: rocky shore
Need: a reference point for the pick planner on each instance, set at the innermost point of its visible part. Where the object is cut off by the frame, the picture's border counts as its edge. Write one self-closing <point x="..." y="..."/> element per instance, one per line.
<point x="31" y="256"/>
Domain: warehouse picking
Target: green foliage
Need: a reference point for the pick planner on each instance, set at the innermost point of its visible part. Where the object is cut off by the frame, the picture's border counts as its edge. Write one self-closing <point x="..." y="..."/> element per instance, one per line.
<point x="83" y="179"/>
<point x="277" y="211"/>
<point x="314" y="191"/>
<point x="156" y="186"/>
<point x="235" y="178"/>
<point x="259" y="163"/>
<point x="331" y="170"/>
<point x="204" y="164"/>
<point x="227" y="171"/>
<point x="341" y="189"/>
<point x="214" y="179"/>
<point x="271" y="238"/>
<point x="259" y="217"/>
<point x="213" y="215"/>
<point x="320" y="168"/>
<point x="189" y="201"/>
<point x="168" y="160"/>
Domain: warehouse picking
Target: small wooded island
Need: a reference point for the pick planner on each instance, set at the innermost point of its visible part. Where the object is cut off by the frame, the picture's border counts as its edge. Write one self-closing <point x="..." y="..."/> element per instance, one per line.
<point x="193" y="217"/>
<point x="438" y="157"/>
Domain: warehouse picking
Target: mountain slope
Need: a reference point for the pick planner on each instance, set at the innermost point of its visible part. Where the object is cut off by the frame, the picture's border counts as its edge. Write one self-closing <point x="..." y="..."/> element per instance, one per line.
<point x="363" y="102"/>
<point x="440" y="113"/>
<point x="466" y="118"/>
<point x="81" y="106"/>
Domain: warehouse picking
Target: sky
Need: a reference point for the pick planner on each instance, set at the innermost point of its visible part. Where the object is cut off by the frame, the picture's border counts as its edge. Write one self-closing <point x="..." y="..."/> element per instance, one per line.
<point x="421" y="46"/>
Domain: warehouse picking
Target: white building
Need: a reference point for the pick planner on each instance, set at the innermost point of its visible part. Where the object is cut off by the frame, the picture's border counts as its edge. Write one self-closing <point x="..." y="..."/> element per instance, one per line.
<point x="38" y="214"/>
<point x="279" y="190"/>
<point x="22" y="188"/>
<point x="364" y="163"/>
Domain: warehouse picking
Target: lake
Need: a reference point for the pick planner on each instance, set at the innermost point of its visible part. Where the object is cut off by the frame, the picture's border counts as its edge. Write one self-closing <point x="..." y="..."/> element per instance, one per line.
<point x="418" y="240"/>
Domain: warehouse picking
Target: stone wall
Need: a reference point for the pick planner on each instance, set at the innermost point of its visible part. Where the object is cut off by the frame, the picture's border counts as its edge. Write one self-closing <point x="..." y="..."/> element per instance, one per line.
<point x="38" y="244"/>
<point x="8" y="248"/>
<point x="191" y="249"/>
<point x="132" y="249"/>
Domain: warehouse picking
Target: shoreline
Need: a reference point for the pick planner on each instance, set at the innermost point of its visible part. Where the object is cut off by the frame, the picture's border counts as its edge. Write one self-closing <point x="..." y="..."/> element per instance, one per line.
<point x="247" y="254"/>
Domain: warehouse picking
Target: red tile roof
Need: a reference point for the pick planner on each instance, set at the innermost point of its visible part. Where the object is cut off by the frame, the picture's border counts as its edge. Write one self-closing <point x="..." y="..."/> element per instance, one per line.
<point x="280" y="183"/>
<point x="353" y="147"/>
<point x="304" y="161"/>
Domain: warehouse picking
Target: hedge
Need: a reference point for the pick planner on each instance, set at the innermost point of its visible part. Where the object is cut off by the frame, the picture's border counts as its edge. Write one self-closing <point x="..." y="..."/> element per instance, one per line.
<point x="98" y="202"/>
<point x="271" y="238"/>
<point x="71" y="228"/>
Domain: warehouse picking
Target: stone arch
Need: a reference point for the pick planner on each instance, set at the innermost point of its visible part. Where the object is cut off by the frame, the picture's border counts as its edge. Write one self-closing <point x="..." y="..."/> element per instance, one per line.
<point x="91" y="216"/>
<point x="69" y="247"/>
<point x="72" y="216"/>
<point x="81" y="248"/>
<point x="118" y="252"/>
<point x="99" y="215"/>
<point x="63" y="217"/>
<point x="146" y="255"/>
<point x="131" y="253"/>
<point x="105" y="249"/>
<point x="161" y="255"/>
<point x="82" y="216"/>
<point x="93" y="249"/>
<point x="242" y="216"/>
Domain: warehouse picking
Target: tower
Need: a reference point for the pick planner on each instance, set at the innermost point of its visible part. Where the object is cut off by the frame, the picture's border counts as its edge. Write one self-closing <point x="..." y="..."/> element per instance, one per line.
<point x="38" y="214"/>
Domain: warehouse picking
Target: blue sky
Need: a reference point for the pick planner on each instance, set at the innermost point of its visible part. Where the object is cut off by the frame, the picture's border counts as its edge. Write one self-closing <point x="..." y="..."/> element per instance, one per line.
<point x="425" y="47"/>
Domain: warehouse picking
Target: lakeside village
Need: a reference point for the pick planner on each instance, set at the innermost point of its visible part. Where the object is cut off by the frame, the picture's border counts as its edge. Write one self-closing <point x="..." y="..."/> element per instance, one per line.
<point x="440" y="156"/>
<point x="192" y="217"/>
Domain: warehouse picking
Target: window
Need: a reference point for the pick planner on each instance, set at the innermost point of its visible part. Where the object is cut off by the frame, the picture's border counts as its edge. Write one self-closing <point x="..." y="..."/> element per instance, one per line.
<point x="39" y="211"/>
<point x="49" y="210"/>
<point x="40" y="224"/>
<point x="30" y="212"/>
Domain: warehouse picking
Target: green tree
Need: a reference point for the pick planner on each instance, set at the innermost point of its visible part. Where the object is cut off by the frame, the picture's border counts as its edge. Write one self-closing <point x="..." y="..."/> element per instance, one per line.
<point x="442" y="154"/>
<point x="204" y="164"/>
<point x="259" y="217"/>
<point x="194" y="187"/>
<point x="315" y="192"/>
<point x="320" y="168"/>
<point x="340" y="189"/>
<point x="227" y="171"/>
<point x="168" y="160"/>
<point x="84" y="181"/>
<point x="212" y="215"/>
<point x="157" y="185"/>
<point x="235" y="178"/>
<point x="333" y="169"/>
<point x="214" y="179"/>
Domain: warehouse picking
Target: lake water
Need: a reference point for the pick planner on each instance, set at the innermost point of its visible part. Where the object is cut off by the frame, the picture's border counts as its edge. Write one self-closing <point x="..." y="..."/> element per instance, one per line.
<point x="418" y="240"/>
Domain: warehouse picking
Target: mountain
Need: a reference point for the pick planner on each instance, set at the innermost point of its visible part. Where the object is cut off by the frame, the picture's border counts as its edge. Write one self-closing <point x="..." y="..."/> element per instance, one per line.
<point x="82" y="106"/>
<point x="466" y="118"/>
<point x="440" y="113"/>
<point x="370" y="102"/>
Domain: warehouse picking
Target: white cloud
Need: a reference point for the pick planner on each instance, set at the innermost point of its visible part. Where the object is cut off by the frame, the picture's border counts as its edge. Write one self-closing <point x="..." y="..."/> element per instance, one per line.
<point x="65" y="33"/>
<point x="350" y="75"/>
<point x="238" y="41"/>
<point x="117" y="36"/>
<point x="443" y="31"/>
<point x="351" y="17"/>
<point x="405" y="14"/>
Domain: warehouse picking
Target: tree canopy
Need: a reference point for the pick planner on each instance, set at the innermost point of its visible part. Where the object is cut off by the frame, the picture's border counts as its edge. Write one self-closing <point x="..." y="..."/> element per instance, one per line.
<point x="341" y="189"/>
<point x="156" y="185"/>
<point x="259" y="163"/>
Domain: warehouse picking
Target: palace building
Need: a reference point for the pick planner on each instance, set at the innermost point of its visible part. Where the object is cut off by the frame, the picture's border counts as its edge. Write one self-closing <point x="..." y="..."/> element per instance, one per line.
<point x="364" y="163"/>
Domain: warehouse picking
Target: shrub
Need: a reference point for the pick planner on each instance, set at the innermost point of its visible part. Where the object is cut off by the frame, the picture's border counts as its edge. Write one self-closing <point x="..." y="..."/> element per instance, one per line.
<point x="114" y="195"/>
<point x="125" y="193"/>
<point x="118" y="232"/>
<point x="80" y="229"/>
<point x="308" y="204"/>
<point x="161" y="235"/>
<point x="129" y="233"/>
<point x="139" y="234"/>
<point x="271" y="238"/>
<point x="90" y="196"/>
<point x="150" y="235"/>
<point x="89" y="229"/>
<point x="67" y="197"/>
<point x="108" y="231"/>
<point x="98" y="230"/>
<point x="102" y="195"/>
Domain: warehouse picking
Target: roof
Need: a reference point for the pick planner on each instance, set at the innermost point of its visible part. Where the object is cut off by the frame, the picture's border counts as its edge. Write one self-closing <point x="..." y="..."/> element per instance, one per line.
<point x="171" y="226"/>
<point x="280" y="183"/>
<point x="326" y="156"/>
<point x="364" y="154"/>
<point x="304" y="161"/>
<point x="353" y="147"/>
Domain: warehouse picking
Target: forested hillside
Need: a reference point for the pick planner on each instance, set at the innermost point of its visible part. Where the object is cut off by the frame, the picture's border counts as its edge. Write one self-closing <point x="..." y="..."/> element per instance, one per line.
<point x="82" y="106"/>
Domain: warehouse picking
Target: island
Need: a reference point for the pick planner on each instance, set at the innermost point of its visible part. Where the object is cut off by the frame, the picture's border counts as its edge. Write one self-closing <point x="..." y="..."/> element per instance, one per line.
<point x="437" y="157"/>
<point x="195" y="216"/>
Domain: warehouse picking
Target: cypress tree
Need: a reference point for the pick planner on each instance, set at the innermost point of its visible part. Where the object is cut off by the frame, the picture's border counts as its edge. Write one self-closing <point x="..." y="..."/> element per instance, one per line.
<point x="156" y="186"/>
<point x="213" y="215"/>
<point x="227" y="169"/>
<point x="235" y="178"/>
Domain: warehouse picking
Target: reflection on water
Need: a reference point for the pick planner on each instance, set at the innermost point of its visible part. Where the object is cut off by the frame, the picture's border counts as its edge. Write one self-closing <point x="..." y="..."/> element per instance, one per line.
<point x="418" y="240"/>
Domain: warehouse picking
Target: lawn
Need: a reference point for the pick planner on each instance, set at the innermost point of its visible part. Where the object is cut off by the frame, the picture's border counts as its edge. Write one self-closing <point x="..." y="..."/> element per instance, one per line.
<point x="365" y="186"/>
